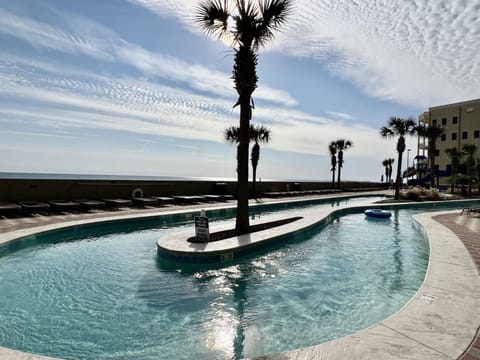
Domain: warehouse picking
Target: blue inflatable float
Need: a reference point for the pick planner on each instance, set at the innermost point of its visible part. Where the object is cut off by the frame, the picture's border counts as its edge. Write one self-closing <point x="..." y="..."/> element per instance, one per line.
<point x="378" y="213"/>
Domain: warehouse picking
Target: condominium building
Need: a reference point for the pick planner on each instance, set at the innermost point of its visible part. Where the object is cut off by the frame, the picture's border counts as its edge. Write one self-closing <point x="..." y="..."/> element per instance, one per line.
<point x="461" y="122"/>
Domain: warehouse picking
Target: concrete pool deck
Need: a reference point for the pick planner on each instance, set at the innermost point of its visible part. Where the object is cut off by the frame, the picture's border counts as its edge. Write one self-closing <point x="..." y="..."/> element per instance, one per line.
<point x="440" y="322"/>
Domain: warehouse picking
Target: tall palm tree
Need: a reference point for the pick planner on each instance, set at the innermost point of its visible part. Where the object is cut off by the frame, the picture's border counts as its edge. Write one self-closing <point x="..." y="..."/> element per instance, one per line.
<point x="257" y="134"/>
<point x="432" y="133"/>
<point x="455" y="156"/>
<point x="399" y="127"/>
<point x="341" y="145"/>
<point x="332" y="148"/>
<point x="250" y="26"/>
<point x="470" y="150"/>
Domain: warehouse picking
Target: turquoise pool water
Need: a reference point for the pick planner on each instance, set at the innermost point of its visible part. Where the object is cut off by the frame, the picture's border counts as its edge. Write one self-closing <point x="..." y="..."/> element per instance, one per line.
<point x="108" y="295"/>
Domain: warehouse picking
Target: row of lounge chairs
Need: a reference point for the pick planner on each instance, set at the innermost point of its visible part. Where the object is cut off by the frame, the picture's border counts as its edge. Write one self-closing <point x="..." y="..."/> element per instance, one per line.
<point x="278" y="194"/>
<point x="58" y="206"/>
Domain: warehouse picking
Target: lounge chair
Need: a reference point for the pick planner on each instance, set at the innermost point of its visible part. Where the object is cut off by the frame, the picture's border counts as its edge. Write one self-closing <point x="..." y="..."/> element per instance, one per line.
<point x="164" y="200"/>
<point x="213" y="198"/>
<point x="33" y="207"/>
<point x="116" y="203"/>
<point x="192" y="199"/>
<point x="86" y="204"/>
<point x="144" y="201"/>
<point x="63" y="205"/>
<point x="9" y="208"/>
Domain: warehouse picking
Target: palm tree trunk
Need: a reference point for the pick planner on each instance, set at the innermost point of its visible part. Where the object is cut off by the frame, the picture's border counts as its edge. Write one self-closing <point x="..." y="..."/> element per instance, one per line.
<point x="399" y="176"/>
<point x="254" y="173"/>
<point x="432" y="170"/>
<point x="333" y="178"/>
<point x="338" y="177"/>
<point x="242" y="225"/>
<point x="255" y="157"/>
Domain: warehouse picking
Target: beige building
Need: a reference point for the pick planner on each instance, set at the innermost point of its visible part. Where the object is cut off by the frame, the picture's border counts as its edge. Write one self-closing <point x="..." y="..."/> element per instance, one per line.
<point x="461" y="122"/>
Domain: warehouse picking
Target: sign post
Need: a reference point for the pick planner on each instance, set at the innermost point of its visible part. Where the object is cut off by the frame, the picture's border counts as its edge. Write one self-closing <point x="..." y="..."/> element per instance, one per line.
<point x="202" y="233"/>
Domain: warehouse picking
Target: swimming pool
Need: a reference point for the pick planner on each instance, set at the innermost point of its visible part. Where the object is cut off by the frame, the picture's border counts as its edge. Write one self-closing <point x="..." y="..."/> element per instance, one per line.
<point x="108" y="296"/>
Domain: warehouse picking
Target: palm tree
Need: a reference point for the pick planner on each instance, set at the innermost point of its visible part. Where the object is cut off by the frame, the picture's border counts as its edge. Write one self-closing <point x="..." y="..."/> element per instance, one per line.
<point x="385" y="165"/>
<point x="257" y="133"/>
<point x="455" y="157"/>
<point x="390" y="170"/>
<point x="332" y="148"/>
<point x="250" y="26"/>
<point x="399" y="127"/>
<point x="341" y="145"/>
<point x="432" y="133"/>
<point x="470" y="150"/>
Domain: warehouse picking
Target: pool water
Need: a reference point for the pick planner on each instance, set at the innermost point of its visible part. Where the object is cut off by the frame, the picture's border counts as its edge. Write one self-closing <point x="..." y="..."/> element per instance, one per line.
<point x="109" y="296"/>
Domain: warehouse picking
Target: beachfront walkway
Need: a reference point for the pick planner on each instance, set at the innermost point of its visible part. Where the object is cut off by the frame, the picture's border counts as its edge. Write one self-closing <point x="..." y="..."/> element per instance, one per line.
<point x="467" y="228"/>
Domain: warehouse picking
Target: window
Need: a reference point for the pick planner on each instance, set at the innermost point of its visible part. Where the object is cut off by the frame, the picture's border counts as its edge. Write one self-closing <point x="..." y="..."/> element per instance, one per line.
<point x="476" y="134"/>
<point x="465" y="135"/>
<point x="434" y="122"/>
<point x="444" y="121"/>
<point x="454" y="120"/>
<point x="454" y="136"/>
<point x="444" y="137"/>
<point x="437" y="152"/>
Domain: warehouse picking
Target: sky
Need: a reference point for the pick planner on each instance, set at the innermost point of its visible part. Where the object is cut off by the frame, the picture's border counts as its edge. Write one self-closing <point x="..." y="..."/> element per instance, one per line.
<point x="135" y="87"/>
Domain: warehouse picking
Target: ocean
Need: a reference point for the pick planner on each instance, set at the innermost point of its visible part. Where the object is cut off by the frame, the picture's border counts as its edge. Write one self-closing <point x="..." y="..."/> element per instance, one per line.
<point x="62" y="176"/>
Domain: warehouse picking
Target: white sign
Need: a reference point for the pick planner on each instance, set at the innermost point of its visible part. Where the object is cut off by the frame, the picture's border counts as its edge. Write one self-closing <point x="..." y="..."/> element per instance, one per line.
<point x="201" y="229"/>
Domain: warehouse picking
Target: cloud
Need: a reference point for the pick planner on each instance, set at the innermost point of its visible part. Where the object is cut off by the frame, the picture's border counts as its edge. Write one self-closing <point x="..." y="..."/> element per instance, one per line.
<point x="340" y="115"/>
<point x="44" y="36"/>
<point x="68" y="101"/>
<point x="417" y="53"/>
<point x="158" y="96"/>
<point x="94" y="40"/>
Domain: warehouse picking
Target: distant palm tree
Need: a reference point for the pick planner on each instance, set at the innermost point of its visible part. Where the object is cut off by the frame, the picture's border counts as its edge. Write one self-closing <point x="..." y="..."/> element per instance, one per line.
<point x="470" y="150"/>
<point x="399" y="127"/>
<point x="455" y="156"/>
<point x="257" y="134"/>
<point x="385" y="165"/>
<point x="249" y="26"/>
<point x="332" y="148"/>
<point x="341" y="145"/>
<point x="432" y="133"/>
<point x="390" y="170"/>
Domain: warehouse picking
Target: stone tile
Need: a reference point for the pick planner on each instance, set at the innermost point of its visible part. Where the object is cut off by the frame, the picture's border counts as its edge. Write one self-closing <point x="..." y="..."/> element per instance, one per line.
<point x="377" y="342"/>
<point x="447" y="324"/>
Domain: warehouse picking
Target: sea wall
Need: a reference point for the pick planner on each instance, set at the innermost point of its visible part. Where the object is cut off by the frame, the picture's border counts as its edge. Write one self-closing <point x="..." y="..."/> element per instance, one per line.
<point x="49" y="189"/>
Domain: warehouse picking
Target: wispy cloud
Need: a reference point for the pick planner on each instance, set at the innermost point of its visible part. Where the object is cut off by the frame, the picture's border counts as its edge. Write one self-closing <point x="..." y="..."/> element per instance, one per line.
<point x="95" y="40"/>
<point x="418" y="53"/>
<point x="340" y="115"/>
<point x="159" y="96"/>
<point x="71" y="100"/>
